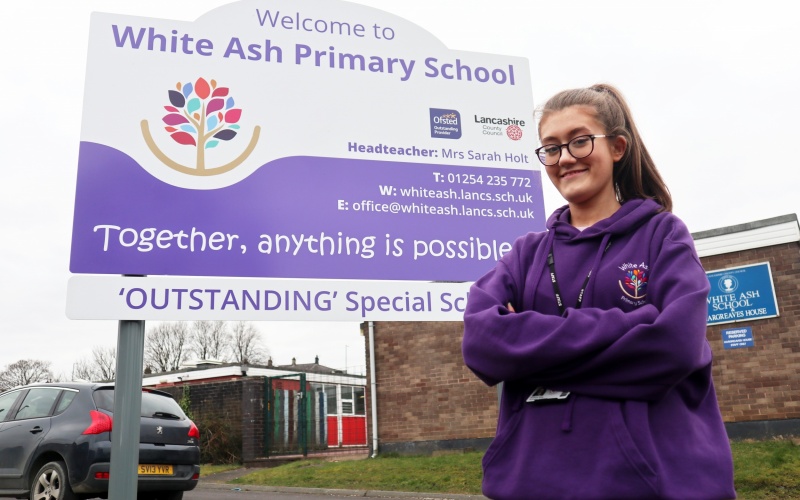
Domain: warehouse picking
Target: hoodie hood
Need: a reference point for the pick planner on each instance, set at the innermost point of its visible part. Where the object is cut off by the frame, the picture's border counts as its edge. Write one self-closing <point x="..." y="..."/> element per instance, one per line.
<point x="632" y="214"/>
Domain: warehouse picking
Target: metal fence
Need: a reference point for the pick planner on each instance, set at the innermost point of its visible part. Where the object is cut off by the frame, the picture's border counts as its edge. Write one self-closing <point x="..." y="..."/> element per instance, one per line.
<point x="309" y="414"/>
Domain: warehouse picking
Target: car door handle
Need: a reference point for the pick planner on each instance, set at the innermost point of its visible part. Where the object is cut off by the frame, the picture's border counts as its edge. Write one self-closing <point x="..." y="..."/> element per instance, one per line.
<point x="36" y="430"/>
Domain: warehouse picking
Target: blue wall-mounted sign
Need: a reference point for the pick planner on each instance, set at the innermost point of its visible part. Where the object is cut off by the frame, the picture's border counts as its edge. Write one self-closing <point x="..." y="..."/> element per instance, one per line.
<point x="741" y="294"/>
<point x="737" y="337"/>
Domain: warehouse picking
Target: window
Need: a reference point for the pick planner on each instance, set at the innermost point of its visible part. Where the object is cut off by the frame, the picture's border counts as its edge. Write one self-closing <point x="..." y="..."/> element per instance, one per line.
<point x="350" y="400"/>
<point x="347" y="400"/>
<point x="66" y="399"/>
<point x="358" y="394"/>
<point x="330" y="395"/>
<point x="37" y="403"/>
<point x="6" y="402"/>
<point x="154" y="403"/>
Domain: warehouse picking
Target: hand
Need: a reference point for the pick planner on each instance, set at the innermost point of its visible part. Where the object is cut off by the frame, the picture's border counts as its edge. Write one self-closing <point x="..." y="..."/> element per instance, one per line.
<point x="510" y="307"/>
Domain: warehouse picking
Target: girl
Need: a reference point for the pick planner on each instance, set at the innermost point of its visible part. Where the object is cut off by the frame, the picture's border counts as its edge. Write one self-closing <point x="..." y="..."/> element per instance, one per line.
<point x="597" y="328"/>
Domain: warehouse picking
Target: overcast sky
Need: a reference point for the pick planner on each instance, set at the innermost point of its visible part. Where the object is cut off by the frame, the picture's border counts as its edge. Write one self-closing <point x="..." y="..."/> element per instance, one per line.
<point x="712" y="85"/>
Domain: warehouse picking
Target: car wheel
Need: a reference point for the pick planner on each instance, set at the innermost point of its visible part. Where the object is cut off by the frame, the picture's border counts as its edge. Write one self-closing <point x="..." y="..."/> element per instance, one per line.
<point x="51" y="483"/>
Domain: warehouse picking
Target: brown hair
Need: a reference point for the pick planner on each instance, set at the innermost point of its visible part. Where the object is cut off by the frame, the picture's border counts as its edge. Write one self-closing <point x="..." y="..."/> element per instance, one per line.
<point x="635" y="174"/>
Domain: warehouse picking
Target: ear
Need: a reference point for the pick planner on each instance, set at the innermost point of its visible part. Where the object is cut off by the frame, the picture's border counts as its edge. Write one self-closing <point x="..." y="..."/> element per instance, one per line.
<point x="618" y="147"/>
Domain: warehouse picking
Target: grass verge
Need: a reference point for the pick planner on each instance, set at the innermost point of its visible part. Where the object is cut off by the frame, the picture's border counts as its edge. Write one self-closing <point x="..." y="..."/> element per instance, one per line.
<point x="767" y="470"/>
<point x="763" y="470"/>
<point x="458" y="473"/>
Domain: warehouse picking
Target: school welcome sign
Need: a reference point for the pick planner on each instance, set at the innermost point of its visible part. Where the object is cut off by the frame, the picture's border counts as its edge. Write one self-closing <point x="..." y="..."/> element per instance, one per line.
<point x="310" y="139"/>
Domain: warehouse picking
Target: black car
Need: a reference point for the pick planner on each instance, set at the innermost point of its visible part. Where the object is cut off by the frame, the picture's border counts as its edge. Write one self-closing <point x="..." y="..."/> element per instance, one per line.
<point x="55" y="443"/>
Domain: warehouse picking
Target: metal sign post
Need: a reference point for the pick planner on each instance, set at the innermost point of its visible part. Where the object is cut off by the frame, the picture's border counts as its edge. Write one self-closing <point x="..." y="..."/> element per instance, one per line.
<point x="124" y="472"/>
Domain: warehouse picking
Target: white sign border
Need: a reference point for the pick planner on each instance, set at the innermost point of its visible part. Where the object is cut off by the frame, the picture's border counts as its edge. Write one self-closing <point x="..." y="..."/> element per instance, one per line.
<point x="179" y="298"/>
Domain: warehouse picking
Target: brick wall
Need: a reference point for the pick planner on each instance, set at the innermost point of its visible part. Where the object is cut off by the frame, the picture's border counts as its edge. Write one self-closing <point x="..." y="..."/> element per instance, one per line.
<point x="213" y="400"/>
<point x="238" y="402"/>
<point x="762" y="382"/>
<point x="425" y="392"/>
<point x="252" y="413"/>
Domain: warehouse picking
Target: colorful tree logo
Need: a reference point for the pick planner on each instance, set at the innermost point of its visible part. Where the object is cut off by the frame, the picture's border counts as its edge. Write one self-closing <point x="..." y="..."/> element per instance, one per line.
<point x="201" y="115"/>
<point x="636" y="281"/>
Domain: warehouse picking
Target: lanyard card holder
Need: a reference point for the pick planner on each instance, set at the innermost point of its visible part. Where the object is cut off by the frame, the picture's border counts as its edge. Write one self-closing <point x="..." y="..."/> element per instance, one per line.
<point x="542" y="394"/>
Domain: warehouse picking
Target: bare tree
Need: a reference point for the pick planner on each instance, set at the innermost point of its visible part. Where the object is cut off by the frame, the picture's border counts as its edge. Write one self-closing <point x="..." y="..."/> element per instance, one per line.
<point x="247" y="345"/>
<point x="165" y="345"/>
<point x="102" y="365"/>
<point x="105" y="360"/>
<point x="25" y="371"/>
<point x="209" y="340"/>
<point x="83" y="369"/>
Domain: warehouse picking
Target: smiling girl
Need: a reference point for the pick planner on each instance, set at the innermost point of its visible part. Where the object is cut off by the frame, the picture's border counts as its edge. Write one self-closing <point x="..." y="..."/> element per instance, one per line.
<point x="597" y="328"/>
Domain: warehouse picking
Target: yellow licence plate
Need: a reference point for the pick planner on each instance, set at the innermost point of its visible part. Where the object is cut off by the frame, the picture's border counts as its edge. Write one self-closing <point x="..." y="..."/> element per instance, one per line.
<point x="155" y="470"/>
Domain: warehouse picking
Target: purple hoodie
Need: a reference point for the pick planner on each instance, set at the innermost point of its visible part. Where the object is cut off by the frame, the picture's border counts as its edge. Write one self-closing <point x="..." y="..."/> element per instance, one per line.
<point x="642" y="419"/>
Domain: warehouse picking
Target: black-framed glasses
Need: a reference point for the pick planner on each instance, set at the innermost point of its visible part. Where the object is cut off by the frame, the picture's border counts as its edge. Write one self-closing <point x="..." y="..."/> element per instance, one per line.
<point x="579" y="147"/>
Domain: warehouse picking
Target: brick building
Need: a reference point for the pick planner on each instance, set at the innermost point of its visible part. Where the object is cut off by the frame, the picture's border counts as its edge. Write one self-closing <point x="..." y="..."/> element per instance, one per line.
<point x="759" y="387"/>
<point x="268" y="411"/>
<point x="427" y="399"/>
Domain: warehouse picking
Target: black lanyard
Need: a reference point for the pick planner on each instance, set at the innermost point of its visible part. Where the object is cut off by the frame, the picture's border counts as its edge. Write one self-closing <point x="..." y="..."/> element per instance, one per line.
<point x="551" y="263"/>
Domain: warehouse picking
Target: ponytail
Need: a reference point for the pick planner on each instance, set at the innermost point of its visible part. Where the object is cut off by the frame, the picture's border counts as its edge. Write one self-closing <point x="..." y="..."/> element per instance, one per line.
<point x="635" y="174"/>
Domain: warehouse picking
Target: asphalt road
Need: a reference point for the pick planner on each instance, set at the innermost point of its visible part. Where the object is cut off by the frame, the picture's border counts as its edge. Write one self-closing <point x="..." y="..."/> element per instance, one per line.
<point x="228" y="494"/>
<point x="215" y="494"/>
<point x="215" y="488"/>
<point x="219" y="491"/>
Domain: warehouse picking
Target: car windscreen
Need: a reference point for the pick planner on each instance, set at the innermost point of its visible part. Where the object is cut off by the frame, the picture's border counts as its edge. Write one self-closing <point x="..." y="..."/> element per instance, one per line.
<point x="154" y="404"/>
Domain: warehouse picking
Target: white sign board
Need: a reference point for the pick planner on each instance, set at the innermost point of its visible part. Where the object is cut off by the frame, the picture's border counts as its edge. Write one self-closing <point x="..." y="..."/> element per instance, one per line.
<point x="305" y="139"/>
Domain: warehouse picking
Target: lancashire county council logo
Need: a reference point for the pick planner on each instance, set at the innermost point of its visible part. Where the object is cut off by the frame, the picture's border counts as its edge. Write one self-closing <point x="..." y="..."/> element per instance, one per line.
<point x="728" y="283"/>
<point x="445" y="123"/>
<point x="636" y="283"/>
<point x="514" y="132"/>
<point x="201" y="115"/>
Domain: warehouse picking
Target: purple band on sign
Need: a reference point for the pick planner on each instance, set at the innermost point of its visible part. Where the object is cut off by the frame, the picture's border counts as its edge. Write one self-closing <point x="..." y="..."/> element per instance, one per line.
<point x="302" y="217"/>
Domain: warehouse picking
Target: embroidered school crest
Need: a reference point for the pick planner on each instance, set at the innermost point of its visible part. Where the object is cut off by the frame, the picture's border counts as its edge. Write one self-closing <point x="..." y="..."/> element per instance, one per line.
<point x="635" y="283"/>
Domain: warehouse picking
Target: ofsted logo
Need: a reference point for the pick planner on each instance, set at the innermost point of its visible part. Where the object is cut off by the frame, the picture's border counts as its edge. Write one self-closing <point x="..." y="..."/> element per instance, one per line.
<point x="445" y="123"/>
